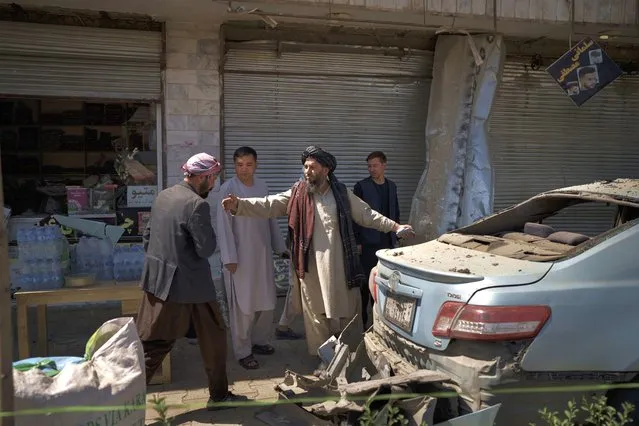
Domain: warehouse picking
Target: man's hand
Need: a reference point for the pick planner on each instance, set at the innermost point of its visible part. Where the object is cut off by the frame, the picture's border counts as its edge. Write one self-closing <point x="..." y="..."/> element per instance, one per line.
<point x="404" y="231"/>
<point x="230" y="203"/>
<point x="359" y="249"/>
<point x="231" y="267"/>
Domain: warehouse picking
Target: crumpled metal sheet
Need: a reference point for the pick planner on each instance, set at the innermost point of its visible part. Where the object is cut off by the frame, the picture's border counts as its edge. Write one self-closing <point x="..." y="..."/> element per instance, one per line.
<point x="351" y="382"/>
<point x="456" y="187"/>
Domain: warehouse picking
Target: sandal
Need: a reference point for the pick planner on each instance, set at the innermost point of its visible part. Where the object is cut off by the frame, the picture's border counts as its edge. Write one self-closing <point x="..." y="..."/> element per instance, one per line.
<point x="263" y="349"/>
<point x="250" y="363"/>
<point x="287" y="334"/>
<point x="226" y="402"/>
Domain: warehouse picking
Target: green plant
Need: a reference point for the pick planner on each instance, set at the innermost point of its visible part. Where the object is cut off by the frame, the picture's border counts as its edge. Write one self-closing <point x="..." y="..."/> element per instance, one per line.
<point x="160" y="407"/>
<point x="395" y="416"/>
<point x="596" y="410"/>
<point x="390" y="415"/>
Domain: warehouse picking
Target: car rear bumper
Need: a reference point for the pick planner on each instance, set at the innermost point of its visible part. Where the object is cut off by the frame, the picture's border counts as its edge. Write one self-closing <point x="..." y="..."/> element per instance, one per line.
<point x="491" y="376"/>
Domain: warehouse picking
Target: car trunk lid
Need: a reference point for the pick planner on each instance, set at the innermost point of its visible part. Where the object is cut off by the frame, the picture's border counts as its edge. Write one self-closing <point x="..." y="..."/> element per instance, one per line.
<point x="414" y="282"/>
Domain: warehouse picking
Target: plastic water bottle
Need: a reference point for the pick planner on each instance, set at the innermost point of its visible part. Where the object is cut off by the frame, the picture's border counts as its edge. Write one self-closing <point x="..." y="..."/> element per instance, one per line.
<point x="116" y="263"/>
<point x="40" y="243"/>
<point x="56" y="277"/>
<point x="26" y="244"/>
<point x="138" y="263"/>
<point x="106" y="260"/>
<point x="127" y="265"/>
<point x="59" y="241"/>
<point x="27" y="275"/>
<point x="48" y="279"/>
<point x="37" y="278"/>
<point x="80" y="250"/>
<point x="21" y="235"/>
<point x="51" y="243"/>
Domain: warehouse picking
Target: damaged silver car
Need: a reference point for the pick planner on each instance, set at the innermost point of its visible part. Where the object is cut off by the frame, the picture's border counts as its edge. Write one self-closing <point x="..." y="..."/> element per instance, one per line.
<point x="512" y="311"/>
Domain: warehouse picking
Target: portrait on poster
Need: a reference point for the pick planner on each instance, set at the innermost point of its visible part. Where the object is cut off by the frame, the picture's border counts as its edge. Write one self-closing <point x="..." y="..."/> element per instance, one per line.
<point x="583" y="71"/>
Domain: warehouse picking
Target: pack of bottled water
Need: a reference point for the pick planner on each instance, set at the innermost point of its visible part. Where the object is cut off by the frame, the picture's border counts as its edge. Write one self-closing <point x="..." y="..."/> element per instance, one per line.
<point x="98" y="257"/>
<point x="94" y="256"/>
<point x="128" y="262"/>
<point x="43" y="257"/>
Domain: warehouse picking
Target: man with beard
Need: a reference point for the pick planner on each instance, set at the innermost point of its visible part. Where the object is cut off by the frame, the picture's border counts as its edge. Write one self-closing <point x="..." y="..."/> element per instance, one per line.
<point x="176" y="280"/>
<point x="321" y="212"/>
<point x="246" y="246"/>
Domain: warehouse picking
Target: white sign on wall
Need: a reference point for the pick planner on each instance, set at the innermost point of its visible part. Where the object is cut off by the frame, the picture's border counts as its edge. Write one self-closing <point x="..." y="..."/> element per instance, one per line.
<point x="141" y="195"/>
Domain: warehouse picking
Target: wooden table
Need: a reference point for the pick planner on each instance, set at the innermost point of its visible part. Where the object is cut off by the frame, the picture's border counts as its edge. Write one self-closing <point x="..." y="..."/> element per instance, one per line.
<point x="129" y="294"/>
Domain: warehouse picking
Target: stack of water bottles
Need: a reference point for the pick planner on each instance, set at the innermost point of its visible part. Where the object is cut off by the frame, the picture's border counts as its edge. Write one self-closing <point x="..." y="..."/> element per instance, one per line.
<point x="98" y="257"/>
<point x="128" y="263"/>
<point x="43" y="254"/>
<point x="94" y="256"/>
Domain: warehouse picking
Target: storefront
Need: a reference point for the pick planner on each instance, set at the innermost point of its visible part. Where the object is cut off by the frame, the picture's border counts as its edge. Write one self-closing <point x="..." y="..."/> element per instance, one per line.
<point x="80" y="125"/>
<point x="281" y="98"/>
<point x="540" y="140"/>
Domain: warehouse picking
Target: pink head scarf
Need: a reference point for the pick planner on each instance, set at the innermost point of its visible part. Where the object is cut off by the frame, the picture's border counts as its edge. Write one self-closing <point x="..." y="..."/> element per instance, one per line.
<point x="201" y="164"/>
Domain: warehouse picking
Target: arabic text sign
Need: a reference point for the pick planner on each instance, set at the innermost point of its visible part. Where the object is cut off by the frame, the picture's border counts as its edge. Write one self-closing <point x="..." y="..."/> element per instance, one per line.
<point x="140" y="195"/>
<point x="583" y="71"/>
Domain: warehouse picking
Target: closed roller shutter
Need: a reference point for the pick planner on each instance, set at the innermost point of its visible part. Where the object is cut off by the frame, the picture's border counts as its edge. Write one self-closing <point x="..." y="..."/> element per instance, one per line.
<point x="68" y="61"/>
<point x="349" y="102"/>
<point x="540" y="141"/>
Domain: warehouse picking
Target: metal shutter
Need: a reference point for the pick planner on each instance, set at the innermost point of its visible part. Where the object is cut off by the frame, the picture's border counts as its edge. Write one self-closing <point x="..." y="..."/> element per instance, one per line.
<point x="68" y="61"/>
<point x="540" y="141"/>
<point x="348" y="102"/>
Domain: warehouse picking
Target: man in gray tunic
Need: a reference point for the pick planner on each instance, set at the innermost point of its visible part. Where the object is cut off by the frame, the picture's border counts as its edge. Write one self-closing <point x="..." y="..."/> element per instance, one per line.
<point x="321" y="212"/>
<point x="177" y="282"/>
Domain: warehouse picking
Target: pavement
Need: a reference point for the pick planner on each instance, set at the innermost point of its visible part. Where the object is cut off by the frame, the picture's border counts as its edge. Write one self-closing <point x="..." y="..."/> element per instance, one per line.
<point x="71" y="326"/>
<point x="188" y="386"/>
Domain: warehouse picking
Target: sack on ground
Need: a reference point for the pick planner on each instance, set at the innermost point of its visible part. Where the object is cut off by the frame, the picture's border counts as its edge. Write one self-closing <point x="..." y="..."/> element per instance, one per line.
<point x="111" y="375"/>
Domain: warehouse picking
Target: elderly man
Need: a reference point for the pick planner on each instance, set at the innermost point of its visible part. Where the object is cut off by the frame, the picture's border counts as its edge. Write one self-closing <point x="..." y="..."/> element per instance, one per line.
<point x="177" y="282"/>
<point x="321" y="212"/>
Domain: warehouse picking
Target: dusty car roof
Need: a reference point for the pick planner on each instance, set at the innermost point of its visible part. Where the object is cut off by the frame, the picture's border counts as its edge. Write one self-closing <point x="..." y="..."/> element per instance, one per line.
<point x="621" y="189"/>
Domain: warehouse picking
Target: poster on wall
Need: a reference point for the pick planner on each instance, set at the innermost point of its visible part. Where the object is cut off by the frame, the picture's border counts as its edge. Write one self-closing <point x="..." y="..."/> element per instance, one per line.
<point x="583" y="71"/>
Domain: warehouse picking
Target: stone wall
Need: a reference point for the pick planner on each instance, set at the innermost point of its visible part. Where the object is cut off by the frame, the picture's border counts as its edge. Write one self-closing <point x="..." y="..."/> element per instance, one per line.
<point x="192" y="94"/>
<point x="192" y="101"/>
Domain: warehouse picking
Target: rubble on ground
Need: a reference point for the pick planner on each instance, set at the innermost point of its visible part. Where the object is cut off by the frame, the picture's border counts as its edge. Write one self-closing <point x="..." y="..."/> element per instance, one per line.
<point x="354" y="391"/>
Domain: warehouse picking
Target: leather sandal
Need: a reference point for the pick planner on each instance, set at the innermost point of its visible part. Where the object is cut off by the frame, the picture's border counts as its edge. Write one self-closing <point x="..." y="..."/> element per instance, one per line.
<point x="250" y="363"/>
<point x="263" y="349"/>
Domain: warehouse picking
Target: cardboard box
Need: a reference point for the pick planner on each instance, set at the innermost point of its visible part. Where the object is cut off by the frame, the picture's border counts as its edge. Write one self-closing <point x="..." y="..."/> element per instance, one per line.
<point x="77" y="200"/>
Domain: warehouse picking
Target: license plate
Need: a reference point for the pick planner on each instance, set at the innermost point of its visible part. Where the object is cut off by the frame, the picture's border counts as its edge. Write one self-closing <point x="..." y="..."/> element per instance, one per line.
<point x="400" y="310"/>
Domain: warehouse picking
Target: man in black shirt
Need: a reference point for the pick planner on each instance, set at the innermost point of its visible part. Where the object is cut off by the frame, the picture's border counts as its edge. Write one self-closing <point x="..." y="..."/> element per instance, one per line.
<point x="381" y="195"/>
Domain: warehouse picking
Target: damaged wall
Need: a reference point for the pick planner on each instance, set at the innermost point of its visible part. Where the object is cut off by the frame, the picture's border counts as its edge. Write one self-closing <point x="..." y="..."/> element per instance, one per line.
<point x="456" y="187"/>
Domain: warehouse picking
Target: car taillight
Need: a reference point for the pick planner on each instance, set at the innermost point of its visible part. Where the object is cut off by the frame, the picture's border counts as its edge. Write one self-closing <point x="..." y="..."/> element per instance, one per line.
<point x="473" y="322"/>
<point x="372" y="284"/>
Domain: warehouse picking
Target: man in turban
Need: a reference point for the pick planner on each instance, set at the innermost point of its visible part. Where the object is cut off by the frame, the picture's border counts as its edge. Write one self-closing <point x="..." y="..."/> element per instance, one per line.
<point x="321" y="212"/>
<point x="176" y="280"/>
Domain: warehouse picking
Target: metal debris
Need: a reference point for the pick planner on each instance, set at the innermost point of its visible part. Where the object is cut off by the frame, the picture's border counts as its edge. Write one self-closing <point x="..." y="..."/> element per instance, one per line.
<point x="351" y="382"/>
